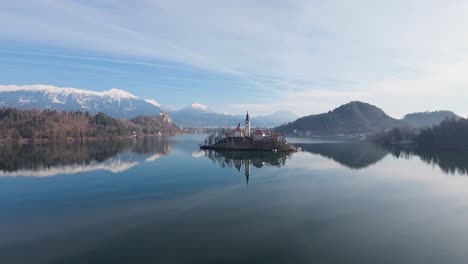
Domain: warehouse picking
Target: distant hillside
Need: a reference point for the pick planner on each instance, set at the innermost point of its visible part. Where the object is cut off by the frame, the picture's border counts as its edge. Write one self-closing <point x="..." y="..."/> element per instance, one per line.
<point x="427" y="119"/>
<point x="351" y="118"/>
<point x="274" y="119"/>
<point x="198" y="115"/>
<point x="34" y="125"/>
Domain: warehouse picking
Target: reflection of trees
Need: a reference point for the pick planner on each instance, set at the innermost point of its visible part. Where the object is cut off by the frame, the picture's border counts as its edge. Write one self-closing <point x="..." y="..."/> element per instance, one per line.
<point x="450" y="161"/>
<point x="363" y="154"/>
<point x="352" y="155"/>
<point x="34" y="157"/>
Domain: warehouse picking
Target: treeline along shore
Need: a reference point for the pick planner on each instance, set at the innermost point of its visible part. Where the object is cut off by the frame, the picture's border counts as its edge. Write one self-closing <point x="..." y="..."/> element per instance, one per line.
<point x="450" y="133"/>
<point x="40" y="126"/>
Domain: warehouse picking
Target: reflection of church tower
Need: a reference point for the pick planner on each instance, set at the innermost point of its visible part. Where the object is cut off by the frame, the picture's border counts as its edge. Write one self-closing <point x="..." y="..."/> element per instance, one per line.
<point x="247" y="125"/>
<point x="247" y="170"/>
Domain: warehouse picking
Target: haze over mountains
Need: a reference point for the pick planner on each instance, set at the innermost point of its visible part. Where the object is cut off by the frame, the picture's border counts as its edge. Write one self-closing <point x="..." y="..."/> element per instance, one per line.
<point x="198" y="115"/>
<point x="121" y="104"/>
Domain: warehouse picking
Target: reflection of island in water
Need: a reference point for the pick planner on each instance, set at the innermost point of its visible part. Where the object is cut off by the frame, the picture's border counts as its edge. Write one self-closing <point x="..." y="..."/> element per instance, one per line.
<point x="361" y="155"/>
<point x="354" y="155"/>
<point x="246" y="159"/>
<point x="53" y="159"/>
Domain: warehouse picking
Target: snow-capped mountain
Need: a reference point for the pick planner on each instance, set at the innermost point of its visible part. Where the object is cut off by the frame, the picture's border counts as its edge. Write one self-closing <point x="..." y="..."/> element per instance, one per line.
<point x="200" y="108"/>
<point x="195" y="109"/>
<point x="122" y="104"/>
<point x="116" y="103"/>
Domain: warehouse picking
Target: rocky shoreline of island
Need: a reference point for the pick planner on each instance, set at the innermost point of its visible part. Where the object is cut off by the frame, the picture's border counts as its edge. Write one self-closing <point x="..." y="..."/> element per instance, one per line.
<point x="246" y="144"/>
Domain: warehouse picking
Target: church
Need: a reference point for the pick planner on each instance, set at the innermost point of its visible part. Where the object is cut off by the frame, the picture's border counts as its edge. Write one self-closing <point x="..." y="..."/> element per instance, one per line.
<point x="257" y="135"/>
<point x="238" y="132"/>
<point x="246" y="140"/>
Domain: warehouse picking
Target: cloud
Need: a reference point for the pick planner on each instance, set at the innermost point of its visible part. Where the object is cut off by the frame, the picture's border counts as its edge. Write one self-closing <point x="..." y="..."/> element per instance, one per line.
<point x="84" y="58"/>
<point x="301" y="54"/>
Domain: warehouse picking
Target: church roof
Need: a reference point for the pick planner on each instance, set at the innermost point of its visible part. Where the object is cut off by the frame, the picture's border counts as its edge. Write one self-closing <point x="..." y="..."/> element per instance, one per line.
<point x="238" y="129"/>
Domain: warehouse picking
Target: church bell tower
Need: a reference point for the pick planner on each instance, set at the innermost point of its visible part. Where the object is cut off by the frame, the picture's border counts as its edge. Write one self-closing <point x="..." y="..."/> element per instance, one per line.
<point x="247" y="125"/>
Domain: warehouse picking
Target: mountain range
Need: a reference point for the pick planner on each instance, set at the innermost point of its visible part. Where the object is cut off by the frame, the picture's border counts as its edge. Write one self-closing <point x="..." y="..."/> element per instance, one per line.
<point x="351" y="118"/>
<point x="115" y="103"/>
<point x="357" y="118"/>
<point x="122" y="104"/>
<point x="198" y="115"/>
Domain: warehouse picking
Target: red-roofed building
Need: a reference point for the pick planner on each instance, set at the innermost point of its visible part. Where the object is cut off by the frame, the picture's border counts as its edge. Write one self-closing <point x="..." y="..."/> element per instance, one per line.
<point x="258" y="135"/>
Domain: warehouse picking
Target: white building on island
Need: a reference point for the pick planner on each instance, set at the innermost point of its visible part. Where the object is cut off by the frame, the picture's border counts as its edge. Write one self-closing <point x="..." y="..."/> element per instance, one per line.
<point x="238" y="131"/>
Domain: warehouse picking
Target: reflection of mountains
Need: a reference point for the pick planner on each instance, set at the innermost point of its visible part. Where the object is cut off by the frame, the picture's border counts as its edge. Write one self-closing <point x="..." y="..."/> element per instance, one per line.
<point x="54" y="159"/>
<point x="239" y="159"/>
<point x="352" y="155"/>
<point x="362" y="154"/>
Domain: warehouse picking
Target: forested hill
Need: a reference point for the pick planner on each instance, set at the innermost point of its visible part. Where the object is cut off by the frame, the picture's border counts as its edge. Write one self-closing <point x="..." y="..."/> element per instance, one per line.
<point x="449" y="133"/>
<point x="351" y="118"/>
<point x="45" y="125"/>
<point x="427" y="119"/>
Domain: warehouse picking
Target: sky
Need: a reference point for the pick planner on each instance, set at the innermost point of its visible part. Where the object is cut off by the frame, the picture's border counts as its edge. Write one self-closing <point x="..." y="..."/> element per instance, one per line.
<point x="304" y="56"/>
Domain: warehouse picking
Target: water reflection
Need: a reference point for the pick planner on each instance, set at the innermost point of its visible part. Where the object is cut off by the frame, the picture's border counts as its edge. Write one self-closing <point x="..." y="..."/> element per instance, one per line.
<point x="355" y="155"/>
<point x="118" y="156"/>
<point x="54" y="159"/>
<point x="390" y="212"/>
<point x="246" y="159"/>
<point x="360" y="155"/>
<point x="450" y="161"/>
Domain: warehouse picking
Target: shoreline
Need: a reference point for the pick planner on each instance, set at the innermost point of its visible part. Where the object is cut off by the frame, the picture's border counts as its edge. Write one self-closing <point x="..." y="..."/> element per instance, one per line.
<point x="28" y="141"/>
<point x="415" y="146"/>
<point x="250" y="147"/>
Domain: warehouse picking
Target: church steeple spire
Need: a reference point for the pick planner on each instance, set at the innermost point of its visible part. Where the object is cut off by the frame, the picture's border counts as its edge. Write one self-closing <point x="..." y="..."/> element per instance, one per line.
<point x="247" y="125"/>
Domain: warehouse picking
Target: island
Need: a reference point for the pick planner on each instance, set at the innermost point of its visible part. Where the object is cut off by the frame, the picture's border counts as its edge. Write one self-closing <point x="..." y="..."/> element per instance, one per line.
<point x="243" y="140"/>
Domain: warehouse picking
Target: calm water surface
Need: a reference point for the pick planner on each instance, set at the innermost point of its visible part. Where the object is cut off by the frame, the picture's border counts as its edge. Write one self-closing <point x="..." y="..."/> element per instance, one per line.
<point x="161" y="200"/>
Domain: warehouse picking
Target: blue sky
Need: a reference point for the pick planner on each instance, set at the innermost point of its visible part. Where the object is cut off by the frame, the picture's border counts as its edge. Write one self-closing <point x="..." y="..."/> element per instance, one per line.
<point x="303" y="56"/>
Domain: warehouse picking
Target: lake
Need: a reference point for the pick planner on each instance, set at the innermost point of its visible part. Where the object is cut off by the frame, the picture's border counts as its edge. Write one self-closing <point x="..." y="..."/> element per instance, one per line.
<point x="162" y="200"/>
